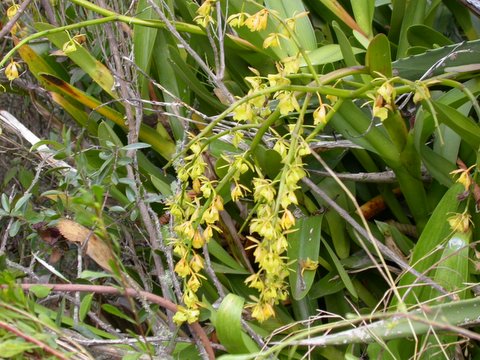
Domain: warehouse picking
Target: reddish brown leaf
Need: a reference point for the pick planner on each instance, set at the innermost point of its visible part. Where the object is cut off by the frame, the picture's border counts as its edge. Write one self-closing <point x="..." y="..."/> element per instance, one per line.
<point x="48" y="234"/>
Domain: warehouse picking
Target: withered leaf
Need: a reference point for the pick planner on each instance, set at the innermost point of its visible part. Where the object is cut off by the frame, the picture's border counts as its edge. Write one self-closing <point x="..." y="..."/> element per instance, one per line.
<point x="96" y="247"/>
<point x="48" y="234"/>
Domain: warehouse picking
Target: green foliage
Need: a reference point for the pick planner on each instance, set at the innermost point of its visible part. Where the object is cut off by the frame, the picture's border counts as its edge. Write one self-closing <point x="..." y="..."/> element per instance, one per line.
<point x="203" y="122"/>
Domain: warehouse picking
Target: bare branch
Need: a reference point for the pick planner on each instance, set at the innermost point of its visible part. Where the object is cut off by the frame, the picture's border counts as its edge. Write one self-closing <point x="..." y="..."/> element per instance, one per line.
<point x="385" y="177"/>
<point x="9" y="25"/>
<point x="213" y="78"/>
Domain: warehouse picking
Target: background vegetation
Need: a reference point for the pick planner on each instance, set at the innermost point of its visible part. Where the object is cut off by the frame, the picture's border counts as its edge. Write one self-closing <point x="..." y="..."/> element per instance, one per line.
<point x="241" y="179"/>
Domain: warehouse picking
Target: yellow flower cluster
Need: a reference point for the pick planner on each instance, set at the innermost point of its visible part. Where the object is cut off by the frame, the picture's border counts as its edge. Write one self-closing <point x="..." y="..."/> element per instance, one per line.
<point x="204" y="13"/>
<point x="272" y="222"/>
<point x="256" y="107"/>
<point x="272" y="219"/>
<point x="195" y="212"/>
<point x="384" y="101"/>
<point x="11" y="12"/>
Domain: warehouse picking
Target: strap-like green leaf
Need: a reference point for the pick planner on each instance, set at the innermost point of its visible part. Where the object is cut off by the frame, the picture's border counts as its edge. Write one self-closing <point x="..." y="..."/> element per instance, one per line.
<point x="229" y="327"/>
<point x="304" y="247"/>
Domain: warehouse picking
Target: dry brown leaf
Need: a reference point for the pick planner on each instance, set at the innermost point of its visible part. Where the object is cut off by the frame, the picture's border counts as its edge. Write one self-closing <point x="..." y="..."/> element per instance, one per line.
<point x="96" y="247"/>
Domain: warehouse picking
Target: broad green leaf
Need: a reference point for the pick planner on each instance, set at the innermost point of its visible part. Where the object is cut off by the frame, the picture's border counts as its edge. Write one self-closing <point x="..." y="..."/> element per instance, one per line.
<point x="173" y="87"/>
<point x="337" y="228"/>
<point x="363" y="12"/>
<point x="378" y="58"/>
<point x="269" y="160"/>
<point x="346" y="48"/>
<point x="463" y="17"/>
<point x="93" y="275"/>
<point x="160" y="143"/>
<point x="303" y="27"/>
<point x="413" y="12"/>
<point x="76" y="111"/>
<point x="229" y="327"/>
<point x="38" y="64"/>
<point x="136" y="146"/>
<point x="327" y="54"/>
<point x="143" y="43"/>
<point x="83" y="58"/>
<point x="409" y="177"/>
<point x="425" y="253"/>
<point x="161" y="185"/>
<point x="453" y="275"/>
<point x="327" y="285"/>
<point x="304" y="248"/>
<point x="414" y="67"/>
<point x="355" y="125"/>
<point x="437" y="165"/>
<point x="5" y="202"/>
<point x="14" y="228"/>
<point x="106" y="134"/>
<point x="452" y="271"/>
<point x="21" y="202"/>
<point x="257" y="37"/>
<point x="449" y="147"/>
<point x="185" y="73"/>
<point x="422" y="35"/>
<point x="222" y="269"/>
<point x="25" y="177"/>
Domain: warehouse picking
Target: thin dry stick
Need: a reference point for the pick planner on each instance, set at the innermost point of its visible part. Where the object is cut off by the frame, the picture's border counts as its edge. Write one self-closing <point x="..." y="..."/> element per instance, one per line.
<point x="49" y="13"/>
<point x="221" y="29"/>
<point x="167" y="251"/>
<point x="103" y="289"/>
<point x="9" y="25"/>
<point x="384" y="177"/>
<point x="134" y="118"/>
<point x="383" y="249"/>
<point x="150" y="339"/>
<point x="219" y="84"/>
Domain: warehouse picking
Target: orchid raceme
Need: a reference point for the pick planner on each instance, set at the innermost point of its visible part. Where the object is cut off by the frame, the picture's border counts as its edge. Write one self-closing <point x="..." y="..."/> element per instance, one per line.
<point x="245" y="174"/>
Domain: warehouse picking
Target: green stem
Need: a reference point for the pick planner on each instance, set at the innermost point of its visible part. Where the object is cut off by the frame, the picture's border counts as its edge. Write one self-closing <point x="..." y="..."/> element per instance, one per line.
<point x="180" y="26"/>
